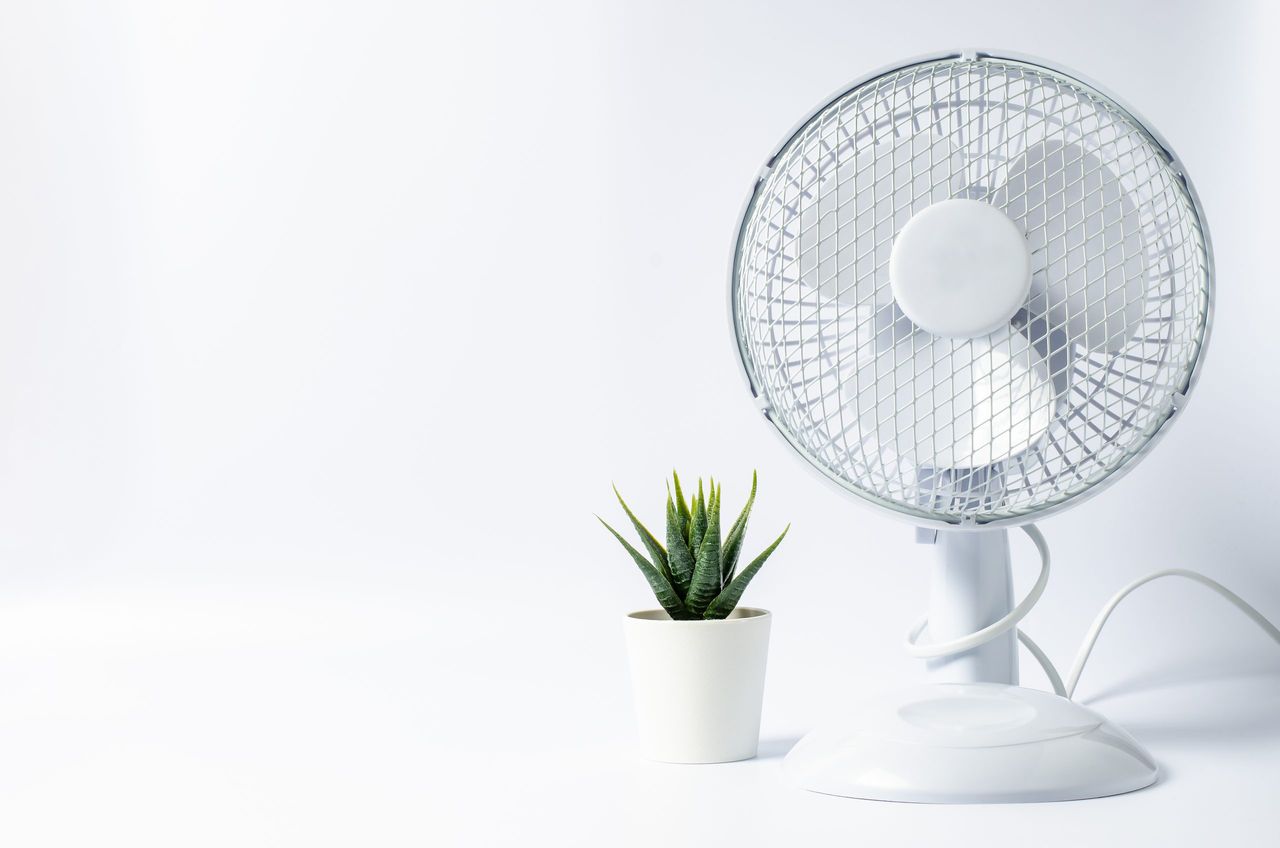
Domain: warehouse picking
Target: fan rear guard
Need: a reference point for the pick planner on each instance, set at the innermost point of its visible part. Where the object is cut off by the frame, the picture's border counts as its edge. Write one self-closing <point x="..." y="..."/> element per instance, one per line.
<point x="806" y="282"/>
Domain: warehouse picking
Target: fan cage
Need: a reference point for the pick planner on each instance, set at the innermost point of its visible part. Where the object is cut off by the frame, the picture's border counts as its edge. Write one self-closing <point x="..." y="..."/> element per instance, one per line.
<point x="1111" y="220"/>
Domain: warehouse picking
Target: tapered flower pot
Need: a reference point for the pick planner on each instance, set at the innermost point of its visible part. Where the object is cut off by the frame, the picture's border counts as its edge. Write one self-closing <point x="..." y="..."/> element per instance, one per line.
<point x="698" y="685"/>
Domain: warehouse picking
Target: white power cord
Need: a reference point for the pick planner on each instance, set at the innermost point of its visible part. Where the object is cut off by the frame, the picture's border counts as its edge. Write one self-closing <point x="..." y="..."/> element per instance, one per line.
<point x="991" y="631"/>
<point x="1241" y="604"/>
<point x="1050" y="671"/>
<point x="1010" y="620"/>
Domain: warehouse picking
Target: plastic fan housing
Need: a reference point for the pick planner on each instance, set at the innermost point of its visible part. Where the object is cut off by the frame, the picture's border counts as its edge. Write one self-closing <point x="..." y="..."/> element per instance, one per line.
<point x="943" y="398"/>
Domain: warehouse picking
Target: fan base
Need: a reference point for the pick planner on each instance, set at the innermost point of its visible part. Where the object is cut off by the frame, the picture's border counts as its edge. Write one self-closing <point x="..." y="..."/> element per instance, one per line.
<point x="971" y="743"/>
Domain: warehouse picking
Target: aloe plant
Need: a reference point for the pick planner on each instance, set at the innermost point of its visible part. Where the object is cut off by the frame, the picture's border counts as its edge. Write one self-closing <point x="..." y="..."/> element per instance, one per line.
<point x="695" y="575"/>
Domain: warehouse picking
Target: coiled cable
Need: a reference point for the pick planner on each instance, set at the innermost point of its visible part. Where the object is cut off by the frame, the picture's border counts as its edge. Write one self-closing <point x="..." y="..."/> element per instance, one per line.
<point x="1010" y="621"/>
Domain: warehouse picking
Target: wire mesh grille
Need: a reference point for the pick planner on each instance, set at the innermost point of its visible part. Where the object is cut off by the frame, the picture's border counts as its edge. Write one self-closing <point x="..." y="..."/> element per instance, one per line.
<point x="1038" y="412"/>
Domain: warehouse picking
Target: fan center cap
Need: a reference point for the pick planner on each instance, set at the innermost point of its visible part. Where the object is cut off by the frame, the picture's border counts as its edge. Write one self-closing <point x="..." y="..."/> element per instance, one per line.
<point x="960" y="268"/>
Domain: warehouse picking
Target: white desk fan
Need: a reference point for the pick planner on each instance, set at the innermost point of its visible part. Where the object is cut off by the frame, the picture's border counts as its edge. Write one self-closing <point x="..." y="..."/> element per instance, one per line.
<point x="972" y="290"/>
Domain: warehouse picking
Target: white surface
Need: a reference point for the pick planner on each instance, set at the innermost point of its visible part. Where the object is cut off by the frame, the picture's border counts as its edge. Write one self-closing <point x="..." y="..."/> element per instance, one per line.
<point x="960" y="268"/>
<point x="323" y="329"/>
<point x="970" y="743"/>
<point x="147" y="718"/>
<point x="698" y="686"/>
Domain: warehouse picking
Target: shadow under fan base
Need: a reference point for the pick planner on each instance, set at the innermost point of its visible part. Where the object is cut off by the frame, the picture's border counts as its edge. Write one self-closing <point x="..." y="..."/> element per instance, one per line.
<point x="971" y="743"/>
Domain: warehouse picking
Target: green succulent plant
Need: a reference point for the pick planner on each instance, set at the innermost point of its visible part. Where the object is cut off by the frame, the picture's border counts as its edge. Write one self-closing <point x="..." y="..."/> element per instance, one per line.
<point x="695" y="575"/>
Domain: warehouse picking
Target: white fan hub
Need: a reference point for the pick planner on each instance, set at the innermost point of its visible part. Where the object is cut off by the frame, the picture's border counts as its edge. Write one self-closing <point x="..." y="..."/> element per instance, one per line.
<point x="960" y="269"/>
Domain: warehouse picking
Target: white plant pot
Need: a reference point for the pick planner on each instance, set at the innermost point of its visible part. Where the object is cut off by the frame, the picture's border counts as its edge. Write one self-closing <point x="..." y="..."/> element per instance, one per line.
<point x="698" y="685"/>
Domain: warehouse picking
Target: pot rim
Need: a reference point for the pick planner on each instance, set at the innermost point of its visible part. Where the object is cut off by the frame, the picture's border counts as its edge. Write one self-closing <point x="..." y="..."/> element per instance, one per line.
<point x="659" y="616"/>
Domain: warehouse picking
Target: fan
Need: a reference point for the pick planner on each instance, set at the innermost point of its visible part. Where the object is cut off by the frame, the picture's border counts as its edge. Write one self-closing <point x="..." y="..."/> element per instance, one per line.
<point x="972" y="290"/>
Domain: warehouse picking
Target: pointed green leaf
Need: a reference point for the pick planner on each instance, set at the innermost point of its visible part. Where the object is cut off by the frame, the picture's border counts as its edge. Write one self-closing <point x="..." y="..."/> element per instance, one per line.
<point x="680" y="557"/>
<point x="698" y="523"/>
<point x="733" y="540"/>
<point x="657" y="553"/>
<point x="728" y="599"/>
<point x="706" y="573"/>
<point x="661" y="587"/>
<point x="682" y="508"/>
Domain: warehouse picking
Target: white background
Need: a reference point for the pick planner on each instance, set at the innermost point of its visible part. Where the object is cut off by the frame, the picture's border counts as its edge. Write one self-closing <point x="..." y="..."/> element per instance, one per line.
<point x="324" y="329"/>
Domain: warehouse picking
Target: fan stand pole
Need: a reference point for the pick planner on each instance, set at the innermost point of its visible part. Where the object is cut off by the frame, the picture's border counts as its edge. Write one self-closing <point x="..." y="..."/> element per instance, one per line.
<point x="971" y="587"/>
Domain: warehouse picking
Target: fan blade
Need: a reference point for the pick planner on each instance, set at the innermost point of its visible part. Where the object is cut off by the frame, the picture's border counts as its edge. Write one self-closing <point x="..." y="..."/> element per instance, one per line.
<point x="1088" y="251"/>
<point x="847" y="213"/>
<point x="957" y="403"/>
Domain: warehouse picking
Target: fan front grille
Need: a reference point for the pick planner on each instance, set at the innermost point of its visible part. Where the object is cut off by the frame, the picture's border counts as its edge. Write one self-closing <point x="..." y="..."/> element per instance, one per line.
<point x="972" y="430"/>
